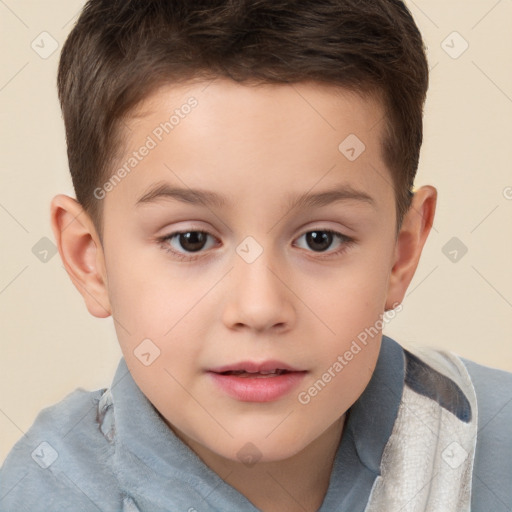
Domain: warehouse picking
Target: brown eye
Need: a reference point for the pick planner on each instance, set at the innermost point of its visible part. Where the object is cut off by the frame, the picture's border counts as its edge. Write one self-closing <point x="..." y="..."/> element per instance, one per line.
<point x="319" y="240"/>
<point x="186" y="242"/>
<point x="192" y="240"/>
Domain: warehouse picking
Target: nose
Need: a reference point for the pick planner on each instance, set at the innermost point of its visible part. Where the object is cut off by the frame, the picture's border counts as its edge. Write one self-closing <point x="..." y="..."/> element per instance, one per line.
<point x="259" y="297"/>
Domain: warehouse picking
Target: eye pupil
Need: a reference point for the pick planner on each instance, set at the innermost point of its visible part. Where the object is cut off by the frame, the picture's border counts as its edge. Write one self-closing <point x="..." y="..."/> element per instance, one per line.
<point x="193" y="240"/>
<point x="322" y="238"/>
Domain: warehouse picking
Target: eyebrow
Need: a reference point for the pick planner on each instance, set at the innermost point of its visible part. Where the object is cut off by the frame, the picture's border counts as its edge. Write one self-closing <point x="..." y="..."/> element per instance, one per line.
<point x="208" y="199"/>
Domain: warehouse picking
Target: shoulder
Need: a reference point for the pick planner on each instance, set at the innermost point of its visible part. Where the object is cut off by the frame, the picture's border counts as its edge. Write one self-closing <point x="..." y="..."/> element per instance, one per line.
<point x="493" y="389"/>
<point x="451" y="380"/>
<point x="492" y="480"/>
<point x="62" y="462"/>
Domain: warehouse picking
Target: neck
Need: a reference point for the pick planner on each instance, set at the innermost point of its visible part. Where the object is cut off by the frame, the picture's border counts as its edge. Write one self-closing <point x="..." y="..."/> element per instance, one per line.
<point x="296" y="484"/>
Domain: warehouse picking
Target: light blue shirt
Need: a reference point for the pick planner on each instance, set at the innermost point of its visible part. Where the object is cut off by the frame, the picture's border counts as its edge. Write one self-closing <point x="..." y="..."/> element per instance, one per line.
<point x="110" y="450"/>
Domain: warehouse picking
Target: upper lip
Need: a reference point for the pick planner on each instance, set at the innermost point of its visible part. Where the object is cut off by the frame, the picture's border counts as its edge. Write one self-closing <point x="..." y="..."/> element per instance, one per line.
<point x="255" y="367"/>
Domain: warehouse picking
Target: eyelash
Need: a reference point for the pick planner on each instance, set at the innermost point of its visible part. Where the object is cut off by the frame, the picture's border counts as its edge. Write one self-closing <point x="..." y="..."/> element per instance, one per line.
<point x="347" y="242"/>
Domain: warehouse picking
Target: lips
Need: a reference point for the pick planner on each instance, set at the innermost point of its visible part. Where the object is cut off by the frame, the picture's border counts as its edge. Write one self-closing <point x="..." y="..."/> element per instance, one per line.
<point x="264" y="367"/>
<point x="261" y="374"/>
<point x="250" y="381"/>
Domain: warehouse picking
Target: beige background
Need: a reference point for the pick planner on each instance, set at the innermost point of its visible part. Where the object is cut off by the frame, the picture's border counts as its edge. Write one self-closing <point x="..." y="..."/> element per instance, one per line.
<point x="50" y="345"/>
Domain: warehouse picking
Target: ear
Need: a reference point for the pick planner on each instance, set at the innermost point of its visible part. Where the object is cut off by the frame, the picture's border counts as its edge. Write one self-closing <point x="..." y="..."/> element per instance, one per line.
<point x="410" y="241"/>
<point x="81" y="253"/>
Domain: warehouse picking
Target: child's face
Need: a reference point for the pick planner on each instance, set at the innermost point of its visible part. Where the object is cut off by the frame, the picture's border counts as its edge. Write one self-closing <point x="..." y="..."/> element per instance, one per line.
<point x="267" y="283"/>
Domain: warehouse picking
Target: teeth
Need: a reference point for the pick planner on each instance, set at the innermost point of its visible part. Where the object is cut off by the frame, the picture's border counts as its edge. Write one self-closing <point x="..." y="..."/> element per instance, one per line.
<point x="244" y="373"/>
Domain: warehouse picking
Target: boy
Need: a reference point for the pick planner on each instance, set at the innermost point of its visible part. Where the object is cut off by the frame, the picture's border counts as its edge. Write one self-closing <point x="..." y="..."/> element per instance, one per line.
<point x="215" y="149"/>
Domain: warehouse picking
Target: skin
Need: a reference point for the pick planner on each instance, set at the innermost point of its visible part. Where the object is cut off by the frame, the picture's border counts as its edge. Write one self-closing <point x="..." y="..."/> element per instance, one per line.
<point x="294" y="303"/>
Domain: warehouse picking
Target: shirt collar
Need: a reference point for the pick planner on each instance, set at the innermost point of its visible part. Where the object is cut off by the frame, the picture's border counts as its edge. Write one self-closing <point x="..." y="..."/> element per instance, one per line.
<point x="373" y="415"/>
<point x="368" y="425"/>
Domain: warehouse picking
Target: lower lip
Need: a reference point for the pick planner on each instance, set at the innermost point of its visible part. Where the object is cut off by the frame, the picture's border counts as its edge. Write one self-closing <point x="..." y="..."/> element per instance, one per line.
<point x="258" y="389"/>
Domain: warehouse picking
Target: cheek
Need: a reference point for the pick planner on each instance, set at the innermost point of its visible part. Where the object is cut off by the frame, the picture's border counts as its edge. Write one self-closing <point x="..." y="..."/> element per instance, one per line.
<point x="143" y="292"/>
<point x="350" y="308"/>
<point x="150" y="305"/>
<point x="340" y="378"/>
<point x="333" y="392"/>
<point x="348" y="300"/>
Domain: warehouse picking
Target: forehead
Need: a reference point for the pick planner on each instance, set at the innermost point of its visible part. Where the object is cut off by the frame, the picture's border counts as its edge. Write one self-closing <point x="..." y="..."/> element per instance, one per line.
<point x="243" y="141"/>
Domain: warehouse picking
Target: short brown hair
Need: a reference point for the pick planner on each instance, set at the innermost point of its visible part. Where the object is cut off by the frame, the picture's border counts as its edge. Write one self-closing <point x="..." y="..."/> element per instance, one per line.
<point x="120" y="51"/>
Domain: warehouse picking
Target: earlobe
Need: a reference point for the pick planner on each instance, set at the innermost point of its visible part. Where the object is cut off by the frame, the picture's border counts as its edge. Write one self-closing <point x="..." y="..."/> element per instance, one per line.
<point x="413" y="234"/>
<point x="81" y="253"/>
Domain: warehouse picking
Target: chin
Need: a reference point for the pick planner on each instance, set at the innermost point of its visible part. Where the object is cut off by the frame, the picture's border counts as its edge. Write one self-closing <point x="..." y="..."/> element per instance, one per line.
<point x="251" y="443"/>
<point x="249" y="449"/>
